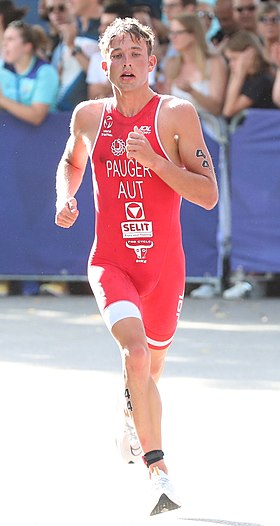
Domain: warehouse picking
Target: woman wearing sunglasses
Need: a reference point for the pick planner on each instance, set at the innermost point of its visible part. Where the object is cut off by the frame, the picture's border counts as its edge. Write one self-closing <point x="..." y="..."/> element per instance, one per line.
<point x="195" y="73"/>
<point x="269" y="28"/>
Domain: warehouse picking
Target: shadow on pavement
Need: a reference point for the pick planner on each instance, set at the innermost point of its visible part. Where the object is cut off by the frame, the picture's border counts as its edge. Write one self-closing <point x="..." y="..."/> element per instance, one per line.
<point x="232" y="345"/>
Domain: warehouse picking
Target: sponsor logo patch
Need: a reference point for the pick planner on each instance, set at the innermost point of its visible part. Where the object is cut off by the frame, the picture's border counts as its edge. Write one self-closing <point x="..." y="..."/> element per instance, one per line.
<point x="108" y="122"/>
<point x="134" y="210"/>
<point x="146" y="129"/>
<point x="140" y="248"/>
<point x="118" y="147"/>
<point x="134" y="229"/>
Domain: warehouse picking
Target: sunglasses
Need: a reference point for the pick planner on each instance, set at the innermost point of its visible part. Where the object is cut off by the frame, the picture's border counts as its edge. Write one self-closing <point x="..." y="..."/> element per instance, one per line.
<point x="249" y="8"/>
<point x="269" y="20"/>
<point x="205" y="14"/>
<point x="60" y="8"/>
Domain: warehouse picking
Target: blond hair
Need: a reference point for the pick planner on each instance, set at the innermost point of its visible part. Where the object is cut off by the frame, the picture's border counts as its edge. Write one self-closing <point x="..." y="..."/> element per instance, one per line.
<point x="125" y="26"/>
<point x="192" y="24"/>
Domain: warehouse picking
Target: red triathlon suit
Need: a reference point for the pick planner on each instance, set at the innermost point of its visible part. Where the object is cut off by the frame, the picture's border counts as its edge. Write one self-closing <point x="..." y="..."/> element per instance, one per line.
<point x="137" y="265"/>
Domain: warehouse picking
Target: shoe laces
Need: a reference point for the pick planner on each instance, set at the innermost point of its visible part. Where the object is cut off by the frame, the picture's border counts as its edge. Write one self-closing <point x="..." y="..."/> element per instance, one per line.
<point x="159" y="479"/>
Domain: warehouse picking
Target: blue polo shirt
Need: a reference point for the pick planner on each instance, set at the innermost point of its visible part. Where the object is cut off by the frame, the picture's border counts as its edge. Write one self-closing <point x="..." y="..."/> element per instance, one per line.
<point x="38" y="84"/>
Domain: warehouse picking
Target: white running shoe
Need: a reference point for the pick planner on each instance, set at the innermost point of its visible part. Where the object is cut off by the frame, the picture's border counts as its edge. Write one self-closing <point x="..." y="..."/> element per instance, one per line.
<point x="128" y="442"/>
<point x="164" y="495"/>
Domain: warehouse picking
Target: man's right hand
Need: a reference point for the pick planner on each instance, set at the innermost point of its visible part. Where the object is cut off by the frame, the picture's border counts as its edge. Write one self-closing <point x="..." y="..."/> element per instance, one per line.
<point x="66" y="216"/>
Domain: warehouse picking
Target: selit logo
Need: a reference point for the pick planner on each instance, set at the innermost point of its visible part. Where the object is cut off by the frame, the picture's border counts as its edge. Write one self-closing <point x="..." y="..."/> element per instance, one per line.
<point x="136" y="226"/>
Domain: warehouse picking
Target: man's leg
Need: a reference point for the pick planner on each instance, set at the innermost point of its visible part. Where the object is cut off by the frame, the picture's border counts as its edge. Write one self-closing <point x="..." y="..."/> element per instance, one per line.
<point x="142" y="366"/>
<point x="144" y="395"/>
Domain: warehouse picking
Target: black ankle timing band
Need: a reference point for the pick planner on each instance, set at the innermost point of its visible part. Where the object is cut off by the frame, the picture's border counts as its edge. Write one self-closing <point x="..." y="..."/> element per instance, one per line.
<point x="153" y="456"/>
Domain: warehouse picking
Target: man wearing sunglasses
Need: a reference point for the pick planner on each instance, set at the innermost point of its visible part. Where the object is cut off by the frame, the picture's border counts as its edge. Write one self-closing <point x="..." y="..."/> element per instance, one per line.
<point x="75" y="23"/>
<point x="245" y="14"/>
<point x="224" y="14"/>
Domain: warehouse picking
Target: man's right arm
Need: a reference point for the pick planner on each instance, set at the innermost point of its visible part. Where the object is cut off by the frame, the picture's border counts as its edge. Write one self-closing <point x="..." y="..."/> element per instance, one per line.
<point x="70" y="173"/>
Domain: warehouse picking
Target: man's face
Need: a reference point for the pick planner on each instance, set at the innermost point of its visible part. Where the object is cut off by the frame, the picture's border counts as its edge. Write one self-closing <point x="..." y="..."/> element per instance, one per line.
<point x="127" y="63"/>
<point x="245" y="14"/>
<point x="224" y="13"/>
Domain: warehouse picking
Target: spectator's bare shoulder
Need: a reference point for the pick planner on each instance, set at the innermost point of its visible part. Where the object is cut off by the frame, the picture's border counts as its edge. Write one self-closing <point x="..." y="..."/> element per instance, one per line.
<point x="86" y="118"/>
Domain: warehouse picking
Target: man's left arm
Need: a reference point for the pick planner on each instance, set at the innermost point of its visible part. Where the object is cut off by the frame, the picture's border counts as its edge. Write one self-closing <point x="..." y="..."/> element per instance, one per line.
<point x="195" y="179"/>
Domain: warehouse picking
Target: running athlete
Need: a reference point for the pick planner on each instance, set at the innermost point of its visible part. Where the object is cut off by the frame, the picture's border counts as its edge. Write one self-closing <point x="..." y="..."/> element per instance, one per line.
<point x="146" y="152"/>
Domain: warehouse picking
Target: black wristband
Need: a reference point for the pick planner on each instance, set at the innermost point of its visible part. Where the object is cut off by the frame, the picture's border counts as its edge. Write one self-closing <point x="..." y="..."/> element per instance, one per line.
<point x="153" y="456"/>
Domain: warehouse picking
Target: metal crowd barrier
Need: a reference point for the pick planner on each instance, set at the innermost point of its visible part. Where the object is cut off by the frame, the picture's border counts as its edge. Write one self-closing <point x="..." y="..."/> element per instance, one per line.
<point x="243" y="228"/>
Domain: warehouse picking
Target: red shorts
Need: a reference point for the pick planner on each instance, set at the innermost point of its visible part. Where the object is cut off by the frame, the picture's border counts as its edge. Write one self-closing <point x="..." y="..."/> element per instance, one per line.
<point x="117" y="298"/>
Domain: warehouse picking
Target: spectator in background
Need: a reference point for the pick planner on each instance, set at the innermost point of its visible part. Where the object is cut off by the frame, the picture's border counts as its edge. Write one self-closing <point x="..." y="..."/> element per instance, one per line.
<point x="79" y="40"/>
<point x="206" y="14"/>
<point x="245" y="14"/>
<point x="51" y="31"/>
<point x="251" y="81"/>
<point x="269" y="28"/>
<point x="28" y="89"/>
<point x="97" y="81"/>
<point x="88" y="13"/>
<point x="196" y="74"/>
<point x="8" y="13"/>
<point x="28" y="84"/>
<point x="72" y="86"/>
<point x="250" y="86"/>
<point x="170" y="9"/>
<point x="228" y="25"/>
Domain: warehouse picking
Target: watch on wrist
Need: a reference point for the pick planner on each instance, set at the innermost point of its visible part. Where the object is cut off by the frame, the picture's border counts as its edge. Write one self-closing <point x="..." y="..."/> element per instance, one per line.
<point x="76" y="50"/>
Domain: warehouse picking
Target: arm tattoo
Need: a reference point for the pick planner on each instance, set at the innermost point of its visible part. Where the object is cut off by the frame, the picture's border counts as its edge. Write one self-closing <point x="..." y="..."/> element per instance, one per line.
<point x="205" y="163"/>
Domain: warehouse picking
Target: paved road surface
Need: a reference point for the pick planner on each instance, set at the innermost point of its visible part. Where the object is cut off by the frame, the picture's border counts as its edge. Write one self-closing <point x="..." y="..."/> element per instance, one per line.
<point x="59" y="382"/>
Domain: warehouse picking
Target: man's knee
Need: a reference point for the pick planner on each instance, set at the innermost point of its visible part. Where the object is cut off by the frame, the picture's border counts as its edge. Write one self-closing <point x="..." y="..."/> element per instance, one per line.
<point x="137" y="360"/>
